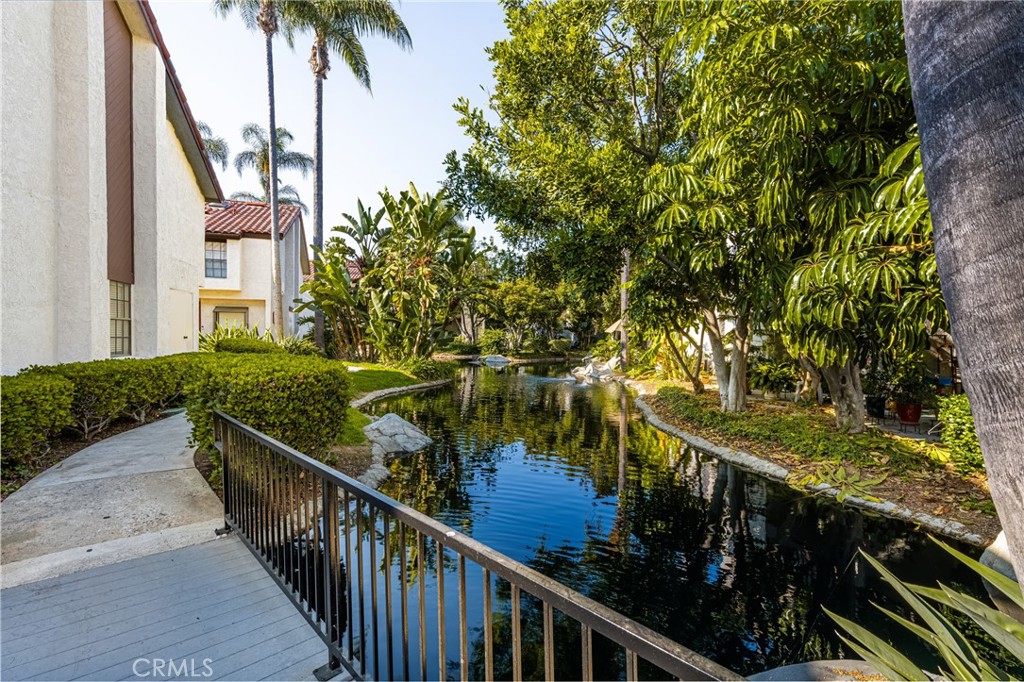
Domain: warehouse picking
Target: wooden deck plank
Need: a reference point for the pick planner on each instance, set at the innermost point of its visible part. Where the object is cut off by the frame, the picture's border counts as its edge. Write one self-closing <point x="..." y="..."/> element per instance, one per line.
<point x="136" y="575"/>
<point x="212" y="600"/>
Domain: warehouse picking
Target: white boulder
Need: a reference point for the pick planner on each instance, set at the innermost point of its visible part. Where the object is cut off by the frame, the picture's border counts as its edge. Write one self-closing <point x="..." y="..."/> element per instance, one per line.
<point x="391" y="435"/>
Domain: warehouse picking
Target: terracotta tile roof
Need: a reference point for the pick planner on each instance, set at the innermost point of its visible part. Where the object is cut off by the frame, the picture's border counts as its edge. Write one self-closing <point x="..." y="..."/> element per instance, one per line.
<point x="354" y="271"/>
<point x="248" y="218"/>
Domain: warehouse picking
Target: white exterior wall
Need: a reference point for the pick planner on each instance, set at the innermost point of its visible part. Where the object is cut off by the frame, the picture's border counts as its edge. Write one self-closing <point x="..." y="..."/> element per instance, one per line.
<point x="53" y="213"/>
<point x="53" y="217"/>
<point x="248" y="283"/>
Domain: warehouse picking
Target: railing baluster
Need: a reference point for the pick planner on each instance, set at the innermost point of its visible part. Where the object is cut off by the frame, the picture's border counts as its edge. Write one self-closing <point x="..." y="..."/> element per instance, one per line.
<point x="348" y="572"/>
<point x="362" y="594"/>
<point x="403" y="575"/>
<point x="488" y="630"/>
<point x="517" y="635"/>
<point x="387" y="594"/>
<point x="421" y="568"/>
<point x="630" y="665"/>
<point x="291" y="510"/>
<point x="549" y="643"/>
<point x="373" y="590"/>
<point x="586" y="644"/>
<point x="463" y="633"/>
<point x="442" y="651"/>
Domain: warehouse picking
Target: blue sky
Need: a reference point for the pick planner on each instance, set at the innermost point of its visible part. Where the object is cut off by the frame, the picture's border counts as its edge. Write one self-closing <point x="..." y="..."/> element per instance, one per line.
<point x="399" y="134"/>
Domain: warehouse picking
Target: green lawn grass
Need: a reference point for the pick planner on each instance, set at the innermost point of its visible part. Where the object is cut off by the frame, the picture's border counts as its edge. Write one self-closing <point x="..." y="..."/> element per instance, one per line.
<point x="374" y="377"/>
<point x="353" y="431"/>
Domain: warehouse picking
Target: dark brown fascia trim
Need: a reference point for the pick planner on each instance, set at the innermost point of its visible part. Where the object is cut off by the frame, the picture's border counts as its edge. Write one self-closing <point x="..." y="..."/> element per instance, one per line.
<point x="172" y="76"/>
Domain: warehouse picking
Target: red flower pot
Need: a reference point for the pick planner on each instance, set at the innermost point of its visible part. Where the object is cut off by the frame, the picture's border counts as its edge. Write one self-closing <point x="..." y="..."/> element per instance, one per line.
<point x="909" y="414"/>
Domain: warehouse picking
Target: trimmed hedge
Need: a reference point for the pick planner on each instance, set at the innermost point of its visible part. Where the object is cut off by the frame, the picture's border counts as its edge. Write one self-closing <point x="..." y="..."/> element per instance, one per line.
<point x="427" y="369"/>
<point x="959" y="435"/>
<point x="300" y="401"/>
<point x="33" y="408"/>
<point x="247" y="346"/>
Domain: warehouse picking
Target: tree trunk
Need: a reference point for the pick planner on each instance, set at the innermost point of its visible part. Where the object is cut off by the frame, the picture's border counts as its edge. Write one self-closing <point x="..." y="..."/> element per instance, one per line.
<point x="737" y="400"/>
<point x="847" y="395"/>
<point x="810" y="379"/>
<point x="318" y="195"/>
<point x="968" y="88"/>
<point x="276" y="295"/>
<point x="718" y="355"/>
<point x="624" y="306"/>
<point x="694" y="376"/>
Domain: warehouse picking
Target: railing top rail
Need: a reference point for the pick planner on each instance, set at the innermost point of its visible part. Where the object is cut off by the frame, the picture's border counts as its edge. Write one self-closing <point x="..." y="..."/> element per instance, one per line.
<point x="648" y="644"/>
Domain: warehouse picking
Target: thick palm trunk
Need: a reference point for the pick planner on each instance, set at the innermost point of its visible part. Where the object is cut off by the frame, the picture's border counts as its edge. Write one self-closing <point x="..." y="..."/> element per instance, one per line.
<point x="318" y="197"/>
<point x="276" y="296"/>
<point x="847" y="395"/>
<point x="968" y="86"/>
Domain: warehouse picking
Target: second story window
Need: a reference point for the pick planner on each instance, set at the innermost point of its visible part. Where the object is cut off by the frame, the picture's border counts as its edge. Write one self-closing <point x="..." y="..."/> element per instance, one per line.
<point x="217" y="259"/>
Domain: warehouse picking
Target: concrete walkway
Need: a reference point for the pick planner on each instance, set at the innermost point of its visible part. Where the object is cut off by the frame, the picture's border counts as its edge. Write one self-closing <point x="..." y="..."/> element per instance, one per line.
<point x="131" y="495"/>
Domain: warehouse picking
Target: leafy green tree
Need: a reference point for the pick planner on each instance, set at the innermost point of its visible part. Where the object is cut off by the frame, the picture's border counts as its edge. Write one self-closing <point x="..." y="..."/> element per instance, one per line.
<point x="337" y="26"/>
<point x="216" y="147"/>
<point x="586" y="97"/>
<point x="287" y="195"/>
<point x="257" y="156"/>
<point x="522" y="307"/>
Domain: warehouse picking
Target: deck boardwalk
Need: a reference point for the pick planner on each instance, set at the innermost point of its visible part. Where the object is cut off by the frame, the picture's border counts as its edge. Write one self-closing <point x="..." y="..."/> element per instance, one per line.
<point x="211" y="603"/>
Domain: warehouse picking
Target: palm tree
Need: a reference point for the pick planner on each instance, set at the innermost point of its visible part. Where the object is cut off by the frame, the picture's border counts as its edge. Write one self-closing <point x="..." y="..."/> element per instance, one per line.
<point x="262" y="14"/>
<point x="968" y="90"/>
<point x="216" y="147"/>
<point x="257" y="156"/>
<point x="337" y="26"/>
<point x="287" y="195"/>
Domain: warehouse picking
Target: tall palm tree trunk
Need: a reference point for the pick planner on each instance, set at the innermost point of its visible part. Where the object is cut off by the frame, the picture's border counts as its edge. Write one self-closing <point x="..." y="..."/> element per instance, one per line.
<point x="268" y="23"/>
<point x="968" y="86"/>
<point x="318" y="62"/>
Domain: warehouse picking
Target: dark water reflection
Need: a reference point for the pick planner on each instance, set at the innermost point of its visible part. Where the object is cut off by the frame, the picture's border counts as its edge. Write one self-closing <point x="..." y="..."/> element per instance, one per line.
<point x="569" y="480"/>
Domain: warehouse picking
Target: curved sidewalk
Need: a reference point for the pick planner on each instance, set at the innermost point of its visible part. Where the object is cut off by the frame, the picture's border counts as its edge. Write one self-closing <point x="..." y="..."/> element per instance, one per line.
<point x="131" y="495"/>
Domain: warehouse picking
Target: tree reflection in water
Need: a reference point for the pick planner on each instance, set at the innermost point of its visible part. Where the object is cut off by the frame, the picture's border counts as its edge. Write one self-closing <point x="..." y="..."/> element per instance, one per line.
<point x="567" y="479"/>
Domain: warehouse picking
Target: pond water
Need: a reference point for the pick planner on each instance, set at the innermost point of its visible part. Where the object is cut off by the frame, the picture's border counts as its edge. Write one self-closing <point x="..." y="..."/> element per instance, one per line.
<point x="568" y="479"/>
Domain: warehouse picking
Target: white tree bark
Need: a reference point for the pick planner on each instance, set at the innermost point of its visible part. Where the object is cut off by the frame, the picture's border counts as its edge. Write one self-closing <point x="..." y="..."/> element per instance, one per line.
<point x="967" y="75"/>
<point x="847" y="395"/>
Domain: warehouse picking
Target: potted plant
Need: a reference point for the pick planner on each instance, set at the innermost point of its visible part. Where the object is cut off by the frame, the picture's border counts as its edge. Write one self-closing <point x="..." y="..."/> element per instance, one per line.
<point x="772" y="377"/>
<point x="911" y="388"/>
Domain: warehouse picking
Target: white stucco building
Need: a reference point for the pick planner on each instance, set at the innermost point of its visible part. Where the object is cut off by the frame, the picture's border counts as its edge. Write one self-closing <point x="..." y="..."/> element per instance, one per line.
<point x="104" y="179"/>
<point x="237" y="284"/>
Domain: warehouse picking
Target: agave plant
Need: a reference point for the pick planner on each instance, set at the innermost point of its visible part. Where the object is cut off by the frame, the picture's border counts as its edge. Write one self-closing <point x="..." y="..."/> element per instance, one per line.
<point x="962" y="661"/>
<point x="208" y="342"/>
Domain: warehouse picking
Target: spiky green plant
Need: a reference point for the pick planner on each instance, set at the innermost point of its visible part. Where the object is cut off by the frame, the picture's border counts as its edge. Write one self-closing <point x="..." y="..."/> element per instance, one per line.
<point x="962" y="661"/>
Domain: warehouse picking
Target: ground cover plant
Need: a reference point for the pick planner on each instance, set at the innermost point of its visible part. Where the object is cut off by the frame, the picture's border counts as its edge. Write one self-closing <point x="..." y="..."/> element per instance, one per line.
<point x="804" y="439"/>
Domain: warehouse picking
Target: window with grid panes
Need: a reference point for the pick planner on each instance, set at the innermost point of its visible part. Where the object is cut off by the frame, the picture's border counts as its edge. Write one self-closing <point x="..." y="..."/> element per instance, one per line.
<point x="120" y="319"/>
<point x="217" y="259"/>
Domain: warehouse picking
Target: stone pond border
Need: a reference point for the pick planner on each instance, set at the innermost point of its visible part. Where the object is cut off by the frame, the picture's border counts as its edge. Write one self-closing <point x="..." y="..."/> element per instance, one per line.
<point x="377" y="473"/>
<point x="752" y="463"/>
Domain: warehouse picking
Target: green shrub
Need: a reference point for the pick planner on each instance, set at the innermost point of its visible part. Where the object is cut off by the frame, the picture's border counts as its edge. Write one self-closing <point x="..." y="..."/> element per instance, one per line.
<point x="959" y="435"/>
<point x="427" y="369"/>
<point x="606" y="348"/>
<point x="560" y="346"/>
<point x="772" y="376"/>
<point x="247" y="346"/>
<point x="33" y="408"/>
<point x="300" y="401"/>
<point x="296" y="345"/>
<point x="536" y="345"/>
<point x="493" y="342"/>
<point x="104" y="391"/>
<point x="460" y="347"/>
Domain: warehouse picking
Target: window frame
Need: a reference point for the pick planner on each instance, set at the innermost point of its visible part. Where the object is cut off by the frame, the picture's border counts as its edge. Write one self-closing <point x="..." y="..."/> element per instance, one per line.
<point x="120" y="310"/>
<point x="219" y="260"/>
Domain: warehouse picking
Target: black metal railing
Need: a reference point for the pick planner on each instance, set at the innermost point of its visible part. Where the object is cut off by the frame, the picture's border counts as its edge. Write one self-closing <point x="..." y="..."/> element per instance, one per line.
<point x="312" y="528"/>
